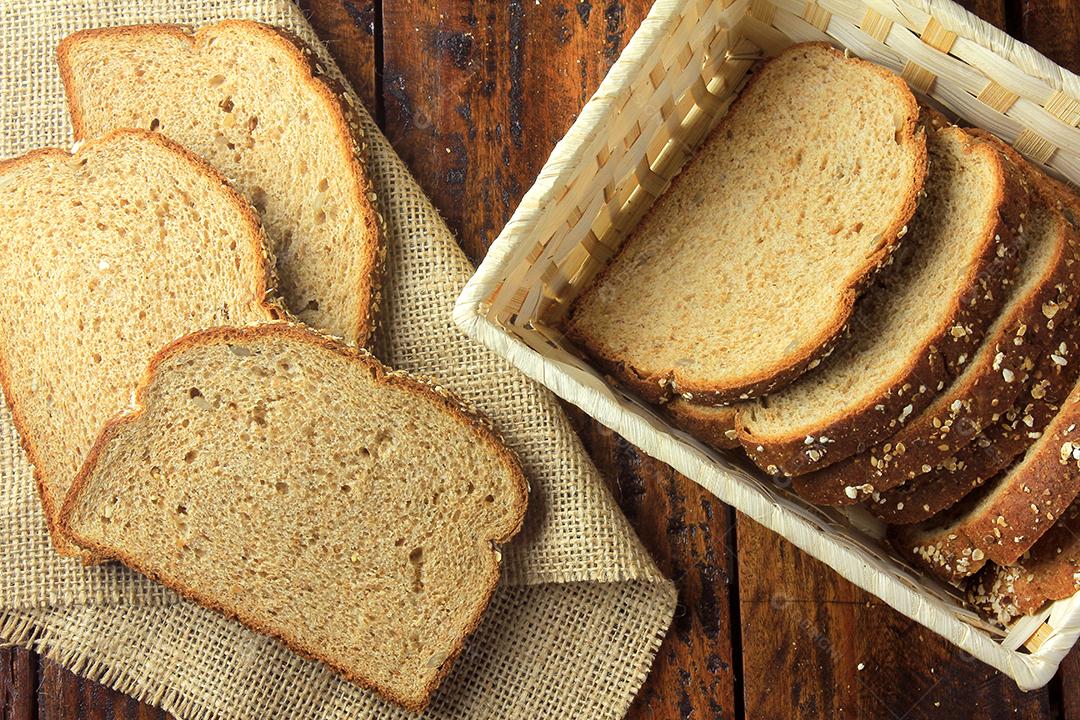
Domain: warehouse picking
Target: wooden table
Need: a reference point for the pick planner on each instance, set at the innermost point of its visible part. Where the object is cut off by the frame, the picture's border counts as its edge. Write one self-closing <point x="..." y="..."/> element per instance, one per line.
<point x="474" y="96"/>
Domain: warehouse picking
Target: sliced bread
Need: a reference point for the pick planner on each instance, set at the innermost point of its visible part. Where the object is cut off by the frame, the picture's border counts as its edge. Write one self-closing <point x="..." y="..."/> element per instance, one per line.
<point x="252" y="102"/>
<point x="1049" y="571"/>
<point x="1001" y="520"/>
<point x="916" y="329"/>
<point x="1043" y="296"/>
<point x="297" y="485"/>
<point x="109" y="254"/>
<point x="745" y="271"/>
<point x="992" y="451"/>
<point x="713" y="425"/>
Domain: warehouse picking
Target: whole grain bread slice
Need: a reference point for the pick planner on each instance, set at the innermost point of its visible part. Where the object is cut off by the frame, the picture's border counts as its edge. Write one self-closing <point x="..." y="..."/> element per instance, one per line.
<point x="1049" y="571"/>
<point x="296" y="484"/>
<point x="916" y="328"/>
<point x="745" y="271"/>
<point x="251" y="100"/>
<point x="1001" y="520"/>
<point x="1043" y="296"/>
<point x="994" y="449"/>
<point x="108" y="254"/>
<point x="714" y="425"/>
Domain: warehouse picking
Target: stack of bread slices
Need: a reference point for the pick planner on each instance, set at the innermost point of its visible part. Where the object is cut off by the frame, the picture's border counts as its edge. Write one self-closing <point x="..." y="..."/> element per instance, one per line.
<point x="192" y="287"/>
<point x="871" y="301"/>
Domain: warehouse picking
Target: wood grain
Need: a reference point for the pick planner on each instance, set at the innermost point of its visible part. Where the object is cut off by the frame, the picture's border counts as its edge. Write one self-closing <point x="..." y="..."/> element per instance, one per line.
<point x="474" y="96"/>
<point x="690" y="534"/>
<point x="477" y="94"/>
<point x="18" y="680"/>
<point x="814" y="646"/>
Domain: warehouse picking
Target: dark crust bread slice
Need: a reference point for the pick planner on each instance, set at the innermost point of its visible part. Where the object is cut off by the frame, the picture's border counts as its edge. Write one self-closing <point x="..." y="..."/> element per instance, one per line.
<point x="658" y="388"/>
<point x="714" y="426"/>
<point x="991" y="452"/>
<point x="340" y="109"/>
<point x="1007" y="516"/>
<point x="479" y="423"/>
<point x="996" y="447"/>
<point x="265" y="288"/>
<point x="939" y="359"/>
<point x="978" y="397"/>
<point x="1049" y="571"/>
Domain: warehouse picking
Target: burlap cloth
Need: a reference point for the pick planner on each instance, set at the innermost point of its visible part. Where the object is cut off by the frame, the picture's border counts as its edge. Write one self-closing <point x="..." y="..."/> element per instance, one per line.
<point x="574" y="626"/>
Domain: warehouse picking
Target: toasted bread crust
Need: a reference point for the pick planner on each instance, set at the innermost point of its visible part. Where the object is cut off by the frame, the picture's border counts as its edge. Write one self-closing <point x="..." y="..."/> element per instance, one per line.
<point x="660" y="387"/>
<point x="971" y="403"/>
<point x="1025" y="503"/>
<point x="471" y="418"/>
<point x="714" y="426"/>
<point x="940" y="357"/>
<point x="340" y="108"/>
<point x="264" y="289"/>
<point x="994" y="449"/>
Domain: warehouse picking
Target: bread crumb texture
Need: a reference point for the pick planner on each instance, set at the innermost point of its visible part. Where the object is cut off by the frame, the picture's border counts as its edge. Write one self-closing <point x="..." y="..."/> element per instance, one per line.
<point x="745" y="270"/>
<point x="243" y="96"/>
<point x="297" y="485"/>
<point x="108" y="255"/>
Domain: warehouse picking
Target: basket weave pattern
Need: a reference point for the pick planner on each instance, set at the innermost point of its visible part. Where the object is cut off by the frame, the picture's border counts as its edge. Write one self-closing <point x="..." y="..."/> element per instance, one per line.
<point x="675" y="79"/>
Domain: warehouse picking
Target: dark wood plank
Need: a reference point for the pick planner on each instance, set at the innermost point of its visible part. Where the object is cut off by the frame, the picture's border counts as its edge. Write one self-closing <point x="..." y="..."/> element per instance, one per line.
<point x="62" y="695"/>
<point x="689" y="533"/>
<point x="477" y="94"/>
<point x="1069" y="683"/>
<point x="348" y="28"/>
<point x="815" y="646"/>
<point x="18" y="678"/>
<point x="1053" y="28"/>
<point x="993" y="11"/>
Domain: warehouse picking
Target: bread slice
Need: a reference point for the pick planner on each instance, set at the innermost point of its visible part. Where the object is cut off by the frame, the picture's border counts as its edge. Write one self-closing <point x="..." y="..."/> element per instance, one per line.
<point x="917" y="327"/>
<point x="745" y="271"/>
<point x="714" y="425"/>
<point x="300" y="487"/>
<point x="251" y="101"/>
<point x="1043" y="296"/>
<point x="1049" y="571"/>
<point x="1000" y="521"/>
<point x="994" y="449"/>
<point x="109" y="254"/>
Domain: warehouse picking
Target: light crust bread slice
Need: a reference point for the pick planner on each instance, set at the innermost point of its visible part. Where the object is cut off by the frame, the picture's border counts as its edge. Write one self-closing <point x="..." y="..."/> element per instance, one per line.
<point x="1001" y="521"/>
<point x="1043" y="297"/>
<point x="1049" y="571"/>
<point x="745" y="271"/>
<point x="251" y="100"/>
<point x="108" y="254"/>
<point x="297" y="485"/>
<point x="916" y="329"/>
<point x="713" y="425"/>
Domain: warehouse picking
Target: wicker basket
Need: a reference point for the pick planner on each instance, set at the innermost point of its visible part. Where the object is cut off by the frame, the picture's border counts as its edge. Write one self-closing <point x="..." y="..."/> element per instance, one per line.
<point x="674" y="80"/>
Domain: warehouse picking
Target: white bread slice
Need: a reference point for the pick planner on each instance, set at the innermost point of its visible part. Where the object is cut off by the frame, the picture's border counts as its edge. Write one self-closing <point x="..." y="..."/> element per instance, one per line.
<point x="1042" y="300"/>
<point x="1001" y="520"/>
<point x="297" y="485"/>
<point x="251" y="101"/>
<point x="713" y="425"/>
<point x="745" y="271"/>
<point x="916" y="329"/>
<point x="109" y="254"/>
